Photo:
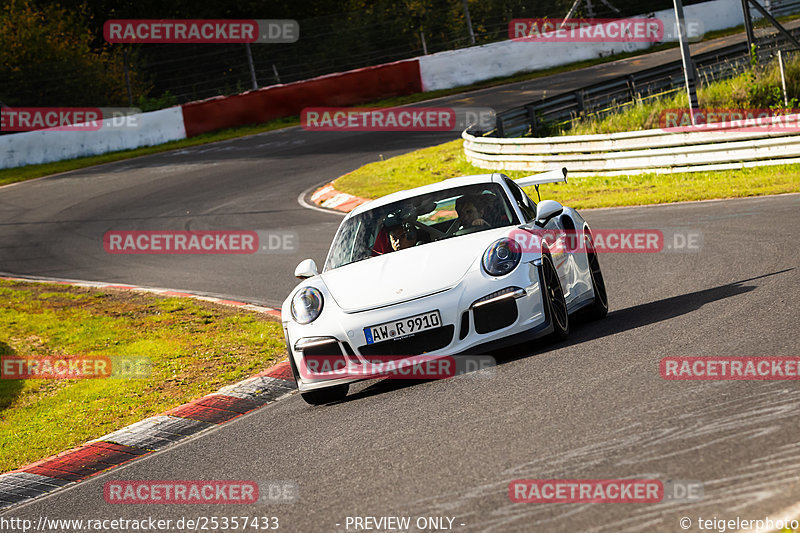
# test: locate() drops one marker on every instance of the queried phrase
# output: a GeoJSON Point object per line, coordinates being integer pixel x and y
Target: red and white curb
{"type": "Point", "coordinates": [329, 198]}
{"type": "Point", "coordinates": [145, 437]}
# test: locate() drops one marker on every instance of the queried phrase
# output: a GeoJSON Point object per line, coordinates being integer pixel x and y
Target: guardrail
{"type": "Point", "coordinates": [779, 8]}
{"type": "Point", "coordinates": [659, 151]}
{"type": "Point", "coordinates": [607, 97]}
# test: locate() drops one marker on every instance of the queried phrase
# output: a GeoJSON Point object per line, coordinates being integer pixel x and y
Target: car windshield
{"type": "Point", "coordinates": [420, 220]}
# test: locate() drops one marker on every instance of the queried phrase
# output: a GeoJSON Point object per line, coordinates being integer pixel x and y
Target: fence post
{"type": "Point", "coordinates": [469, 23]}
{"type": "Point", "coordinates": [632, 87]}
{"type": "Point", "coordinates": [589, 9]}
{"type": "Point", "coordinates": [783, 80]}
{"type": "Point", "coordinates": [534, 121]}
{"type": "Point", "coordinates": [689, 73]}
{"type": "Point", "coordinates": [501, 132]}
{"type": "Point", "coordinates": [127, 75]}
{"type": "Point", "coordinates": [251, 65]}
{"type": "Point", "coordinates": [748, 26]}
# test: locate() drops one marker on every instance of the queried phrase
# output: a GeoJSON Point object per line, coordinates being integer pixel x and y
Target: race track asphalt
{"type": "Point", "coordinates": [592, 407]}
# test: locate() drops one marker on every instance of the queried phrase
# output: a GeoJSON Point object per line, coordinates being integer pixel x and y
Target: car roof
{"type": "Point", "coordinates": [450, 183]}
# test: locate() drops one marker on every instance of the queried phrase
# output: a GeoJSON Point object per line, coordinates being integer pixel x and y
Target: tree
{"type": "Point", "coordinates": [47, 59]}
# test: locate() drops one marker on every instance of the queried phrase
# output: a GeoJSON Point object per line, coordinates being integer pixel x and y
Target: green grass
{"type": "Point", "coordinates": [194, 347]}
{"type": "Point", "coordinates": [13, 175]}
{"type": "Point", "coordinates": [756, 89]}
{"type": "Point", "coordinates": [436, 163]}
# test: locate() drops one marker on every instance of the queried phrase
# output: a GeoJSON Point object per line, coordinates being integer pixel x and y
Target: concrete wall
{"type": "Point", "coordinates": [46, 146]}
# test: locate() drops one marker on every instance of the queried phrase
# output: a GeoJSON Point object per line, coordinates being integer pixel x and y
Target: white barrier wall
{"type": "Point", "coordinates": [45, 146]}
{"type": "Point", "coordinates": [734, 144]}
{"type": "Point", "coordinates": [456, 68]}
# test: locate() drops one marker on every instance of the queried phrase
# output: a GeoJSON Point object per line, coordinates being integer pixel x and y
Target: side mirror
{"type": "Point", "coordinates": [547, 209]}
{"type": "Point", "coordinates": [306, 269]}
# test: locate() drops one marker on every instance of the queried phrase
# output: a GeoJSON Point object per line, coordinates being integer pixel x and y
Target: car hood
{"type": "Point", "coordinates": [407, 274]}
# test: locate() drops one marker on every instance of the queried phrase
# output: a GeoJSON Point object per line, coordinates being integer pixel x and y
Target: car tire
{"type": "Point", "coordinates": [553, 296]}
{"type": "Point", "coordinates": [599, 307]}
{"type": "Point", "coordinates": [327, 395]}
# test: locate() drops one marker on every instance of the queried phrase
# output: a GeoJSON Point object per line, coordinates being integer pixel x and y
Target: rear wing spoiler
{"type": "Point", "coordinates": [552, 176]}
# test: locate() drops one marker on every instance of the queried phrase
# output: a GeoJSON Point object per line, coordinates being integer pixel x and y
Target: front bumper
{"type": "Point", "coordinates": [475, 319]}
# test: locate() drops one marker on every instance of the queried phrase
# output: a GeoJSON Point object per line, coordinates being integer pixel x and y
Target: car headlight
{"type": "Point", "coordinates": [306, 305]}
{"type": "Point", "coordinates": [501, 257]}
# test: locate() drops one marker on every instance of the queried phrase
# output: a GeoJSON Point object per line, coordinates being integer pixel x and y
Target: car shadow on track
{"type": "Point", "coordinates": [584, 330]}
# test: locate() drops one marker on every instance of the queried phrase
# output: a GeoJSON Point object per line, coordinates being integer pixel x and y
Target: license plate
{"type": "Point", "coordinates": [403, 327]}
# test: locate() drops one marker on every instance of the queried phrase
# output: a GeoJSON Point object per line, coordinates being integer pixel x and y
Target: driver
{"type": "Point", "coordinates": [403, 236]}
{"type": "Point", "coordinates": [471, 209]}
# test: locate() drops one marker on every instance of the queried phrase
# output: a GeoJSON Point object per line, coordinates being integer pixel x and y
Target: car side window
{"type": "Point", "coordinates": [527, 206]}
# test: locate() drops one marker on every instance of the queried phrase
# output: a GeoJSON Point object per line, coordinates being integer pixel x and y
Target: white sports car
{"type": "Point", "coordinates": [441, 270]}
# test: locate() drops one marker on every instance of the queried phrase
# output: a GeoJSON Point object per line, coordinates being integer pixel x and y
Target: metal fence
{"type": "Point", "coordinates": [779, 8]}
{"type": "Point", "coordinates": [611, 96]}
{"type": "Point", "coordinates": [356, 39]}
{"type": "Point", "coordinates": [745, 143]}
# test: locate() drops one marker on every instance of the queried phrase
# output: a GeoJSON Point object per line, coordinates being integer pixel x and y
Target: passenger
{"type": "Point", "coordinates": [471, 209]}
{"type": "Point", "coordinates": [403, 236]}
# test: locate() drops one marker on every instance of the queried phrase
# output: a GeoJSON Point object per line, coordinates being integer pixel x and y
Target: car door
{"type": "Point", "coordinates": [560, 246]}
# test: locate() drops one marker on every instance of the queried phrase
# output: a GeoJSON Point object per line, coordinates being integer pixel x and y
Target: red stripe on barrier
{"type": "Point", "coordinates": [173, 293]}
{"type": "Point", "coordinates": [342, 89]}
{"type": "Point", "coordinates": [228, 403]}
{"type": "Point", "coordinates": [57, 474]}
{"type": "Point", "coordinates": [279, 371]}
{"type": "Point", "coordinates": [120, 448]}
{"type": "Point", "coordinates": [349, 205]}
{"type": "Point", "coordinates": [230, 302]}
{"type": "Point", "coordinates": [203, 413]}
{"type": "Point", "coordinates": [85, 461]}
{"type": "Point", "coordinates": [214, 409]}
